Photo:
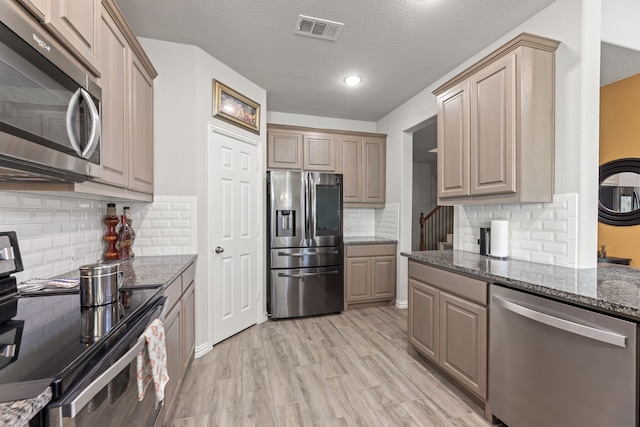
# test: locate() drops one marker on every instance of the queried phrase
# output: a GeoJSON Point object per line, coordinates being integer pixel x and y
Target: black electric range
{"type": "Point", "coordinates": [50, 340]}
{"type": "Point", "coordinates": [53, 340]}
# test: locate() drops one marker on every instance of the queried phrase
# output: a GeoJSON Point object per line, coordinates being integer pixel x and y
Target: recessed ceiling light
{"type": "Point", "coordinates": [352, 80]}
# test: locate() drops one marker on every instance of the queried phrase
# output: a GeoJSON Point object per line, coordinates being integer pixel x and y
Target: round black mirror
{"type": "Point", "coordinates": [619, 193]}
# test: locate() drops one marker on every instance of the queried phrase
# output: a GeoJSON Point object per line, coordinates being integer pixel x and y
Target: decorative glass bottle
{"type": "Point", "coordinates": [133, 237]}
{"type": "Point", "coordinates": [125, 237]}
{"type": "Point", "coordinates": [110, 236]}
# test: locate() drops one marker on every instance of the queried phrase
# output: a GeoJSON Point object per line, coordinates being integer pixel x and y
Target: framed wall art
{"type": "Point", "coordinates": [235, 108]}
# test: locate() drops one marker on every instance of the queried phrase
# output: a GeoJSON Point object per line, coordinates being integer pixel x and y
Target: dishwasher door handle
{"type": "Point", "coordinates": [565, 325]}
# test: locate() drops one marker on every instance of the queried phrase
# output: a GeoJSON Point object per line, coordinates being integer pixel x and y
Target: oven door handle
{"type": "Point", "coordinates": [72, 408]}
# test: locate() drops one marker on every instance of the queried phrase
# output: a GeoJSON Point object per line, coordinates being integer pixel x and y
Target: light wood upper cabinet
{"type": "Point", "coordinates": [360, 157]}
{"type": "Point", "coordinates": [374, 171]}
{"type": "Point", "coordinates": [496, 127]}
{"type": "Point", "coordinates": [453, 142]}
{"type": "Point", "coordinates": [284, 150]}
{"type": "Point", "coordinates": [350, 166]}
{"type": "Point", "coordinates": [362, 161]}
{"type": "Point", "coordinates": [319, 152]}
{"type": "Point", "coordinates": [493, 138]}
{"type": "Point", "coordinates": [115, 64]}
{"type": "Point", "coordinates": [39, 8]}
{"type": "Point", "coordinates": [141, 129]}
{"type": "Point", "coordinates": [75, 23]}
{"type": "Point", "coordinates": [127, 108]}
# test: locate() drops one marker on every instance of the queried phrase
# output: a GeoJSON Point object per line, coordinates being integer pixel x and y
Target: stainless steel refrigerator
{"type": "Point", "coordinates": [305, 256]}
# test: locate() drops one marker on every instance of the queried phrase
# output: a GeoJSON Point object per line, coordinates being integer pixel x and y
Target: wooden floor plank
{"type": "Point", "coordinates": [352, 369]}
{"type": "Point", "coordinates": [321, 402]}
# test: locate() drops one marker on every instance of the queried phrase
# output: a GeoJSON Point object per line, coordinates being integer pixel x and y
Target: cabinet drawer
{"type": "Point", "coordinates": [188, 276]}
{"type": "Point", "coordinates": [465, 287]}
{"type": "Point", "coordinates": [173, 292]}
{"type": "Point", "coordinates": [370, 250]}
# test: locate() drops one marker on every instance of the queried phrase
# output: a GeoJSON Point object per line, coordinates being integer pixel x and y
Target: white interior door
{"type": "Point", "coordinates": [235, 258]}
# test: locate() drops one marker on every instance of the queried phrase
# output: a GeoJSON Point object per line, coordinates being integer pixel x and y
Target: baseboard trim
{"type": "Point", "coordinates": [402, 304]}
{"type": "Point", "coordinates": [202, 349]}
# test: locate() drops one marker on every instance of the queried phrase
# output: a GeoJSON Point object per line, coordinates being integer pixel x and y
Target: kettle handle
{"type": "Point", "coordinates": [120, 279]}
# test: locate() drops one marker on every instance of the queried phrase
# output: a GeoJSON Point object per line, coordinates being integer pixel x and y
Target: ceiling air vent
{"type": "Point", "coordinates": [318, 28]}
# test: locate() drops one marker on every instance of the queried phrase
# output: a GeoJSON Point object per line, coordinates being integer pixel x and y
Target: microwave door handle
{"type": "Point", "coordinates": [73, 105]}
{"type": "Point", "coordinates": [94, 137]}
{"type": "Point", "coordinates": [74, 407]}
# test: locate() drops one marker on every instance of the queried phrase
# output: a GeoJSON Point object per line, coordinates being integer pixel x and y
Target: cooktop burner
{"type": "Point", "coordinates": [54, 337]}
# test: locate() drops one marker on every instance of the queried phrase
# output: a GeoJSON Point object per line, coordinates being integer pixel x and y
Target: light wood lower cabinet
{"type": "Point", "coordinates": [370, 274]}
{"type": "Point", "coordinates": [179, 326]}
{"type": "Point", "coordinates": [447, 323]}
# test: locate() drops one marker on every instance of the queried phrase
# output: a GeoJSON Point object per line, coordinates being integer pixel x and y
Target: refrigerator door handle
{"type": "Point", "coordinates": [305, 187]}
{"type": "Point", "coordinates": [301, 275]}
{"type": "Point", "coordinates": [304, 254]}
{"type": "Point", "coordinates": [312, 206]}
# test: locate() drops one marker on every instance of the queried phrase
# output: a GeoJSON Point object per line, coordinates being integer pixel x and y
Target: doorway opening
{"type": "Point", "coordinates": [431, 226]}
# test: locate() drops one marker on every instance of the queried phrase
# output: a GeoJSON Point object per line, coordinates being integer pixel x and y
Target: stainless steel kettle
{"type": "Point", "coordinates": [99, 283]}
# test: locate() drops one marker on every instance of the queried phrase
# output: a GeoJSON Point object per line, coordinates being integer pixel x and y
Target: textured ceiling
{"type": "Point", "coordinates": [399, 46]}
{"type": "Point", "coordinates": [617, 63]}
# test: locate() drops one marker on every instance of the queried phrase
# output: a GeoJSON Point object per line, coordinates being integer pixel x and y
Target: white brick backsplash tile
{"type": "Point", "coordinates": [31, 201]}
{"type": "Point", "coordinates": [53, 255]}
{"type": "Point", "coordinates": [555, 225]}
{"type": "Point", "coordinates": [42, 243]}
{"type": "Point", "coordinates": [54, 228]}
{"type": "Point", "coordinates": [559, 248]}
{"type": "Point", "coordinates": [537, 232]}
{"type": "Point", "coordinates": [17, 216]}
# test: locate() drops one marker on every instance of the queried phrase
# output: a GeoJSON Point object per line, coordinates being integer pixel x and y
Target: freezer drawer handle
{"type": "Point", "coordinates": [300, 255]}
{"type": "Point", "coordinates": [300, 275]}
{"type": "Point", "coordinates": [565, 325]}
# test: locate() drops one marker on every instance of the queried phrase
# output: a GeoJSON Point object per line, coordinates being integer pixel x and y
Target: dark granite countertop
{"type": "Point", "coordinates": [20, 412]}
{"type": "Point", "coordinates": [369, 240]}
{"type": "Point", "coordinates": [154, 271]}
{"type": "Point", "coordinates": [610, 288]}
{"type": "Point", "coordinates": [140, 272]}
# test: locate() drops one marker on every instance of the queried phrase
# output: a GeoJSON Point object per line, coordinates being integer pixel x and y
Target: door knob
{"type": "Point", "coordinates": [219, 250]}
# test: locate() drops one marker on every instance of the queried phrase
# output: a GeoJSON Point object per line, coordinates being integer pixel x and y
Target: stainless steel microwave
{"type": "Point", "coordinates": [49, 107]}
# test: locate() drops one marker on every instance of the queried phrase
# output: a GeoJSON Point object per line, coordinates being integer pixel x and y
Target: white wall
{"type": "Point", "coordinates": [576, 24]}
{"type": "Point", "coordinates": [274, 117]}
{"type": "Point", "coordinates": [185, 88]}
{"type": "Point", "coordinates": [620, 20]}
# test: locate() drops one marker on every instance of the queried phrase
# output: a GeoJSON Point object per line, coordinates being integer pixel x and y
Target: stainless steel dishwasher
{"type": "Point", "coordinates": [553, 364]}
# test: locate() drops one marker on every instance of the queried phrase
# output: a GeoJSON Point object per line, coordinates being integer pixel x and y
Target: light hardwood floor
{"type": "Point", "coordinates": [351, 369]}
